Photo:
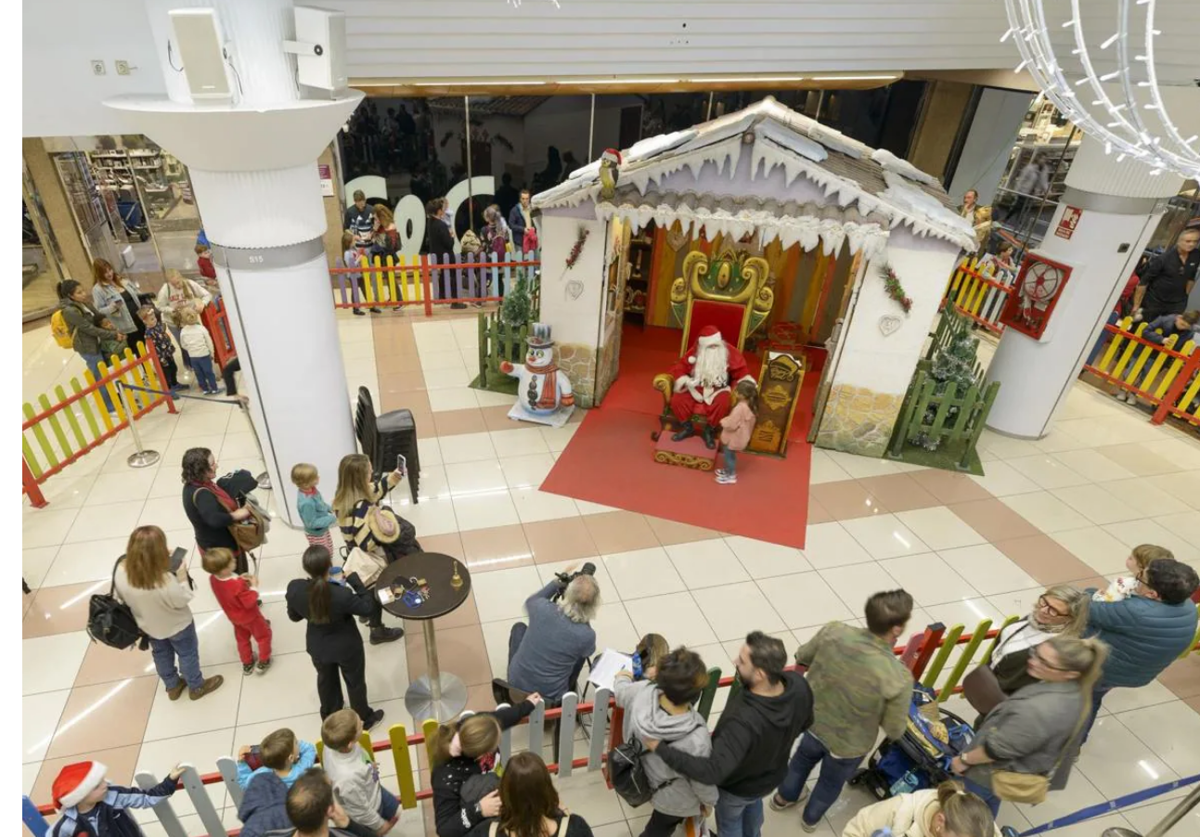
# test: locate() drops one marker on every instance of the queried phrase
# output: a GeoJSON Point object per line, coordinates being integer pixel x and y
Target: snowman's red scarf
{"type": "Point", "coordinates": [549, 391]}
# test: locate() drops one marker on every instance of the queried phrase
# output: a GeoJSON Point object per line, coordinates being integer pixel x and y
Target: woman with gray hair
{"type": "Point", "coordinates": [1060, 610]}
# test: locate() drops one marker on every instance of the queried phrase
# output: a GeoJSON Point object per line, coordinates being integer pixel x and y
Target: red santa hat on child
{"type": "Point", "coordinates": [75, 781]}
{"type": "Point", "coordinates": [710, 335]}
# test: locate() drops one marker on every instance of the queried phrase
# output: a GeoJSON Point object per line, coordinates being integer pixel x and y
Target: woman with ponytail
{"type": "Point", "coordinates": [332, 638]}
{"type": "Point", "coordinates": [463, 754]}
{"type": "Point", "coordinates": [1027, 743]}
{"type": "Point", "coordinates": [949, 810]}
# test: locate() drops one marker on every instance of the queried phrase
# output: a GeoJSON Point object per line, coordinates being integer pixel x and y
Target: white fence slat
{"type": "Point", "coordinates": [599, 739]}
{"type": "Point", "coordinates": [227, 767]}
{"type": "Point", "coordinates": [167, 817]}
{"type": "Point", "coordinates": [566, 733]}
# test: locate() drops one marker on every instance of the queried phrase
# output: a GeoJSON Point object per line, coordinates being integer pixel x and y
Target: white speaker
{"type": "Point", "coordinates": [199, 44]}
{"type": "Point", "coordinates": [320, 48]}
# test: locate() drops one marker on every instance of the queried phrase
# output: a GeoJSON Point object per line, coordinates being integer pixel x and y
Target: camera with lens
{"type": "Point", "coordinates": [565, 579]}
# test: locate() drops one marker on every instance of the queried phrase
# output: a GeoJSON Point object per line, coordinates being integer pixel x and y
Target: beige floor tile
{"type": "Point", "coordinates": [121, 728]}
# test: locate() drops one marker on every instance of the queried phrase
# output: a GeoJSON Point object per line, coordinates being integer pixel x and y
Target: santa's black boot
{"type": "Point", "coordinates": [685, 432]}
{"type": "Point", "coordinates": [710, 437]}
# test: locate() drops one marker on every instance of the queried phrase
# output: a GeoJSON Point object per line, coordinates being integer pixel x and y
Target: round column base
{"type": "Point", "coordinates": [419, 702]}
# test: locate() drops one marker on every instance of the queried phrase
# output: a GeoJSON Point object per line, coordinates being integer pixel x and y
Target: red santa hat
{"type": "Point", "coordinates": [75, 781]}
{"type": "Point", "coordinates": [710, 335]}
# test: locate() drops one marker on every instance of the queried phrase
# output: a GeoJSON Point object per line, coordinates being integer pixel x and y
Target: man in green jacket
{"type": "Point", "coordinates": [858, 686]}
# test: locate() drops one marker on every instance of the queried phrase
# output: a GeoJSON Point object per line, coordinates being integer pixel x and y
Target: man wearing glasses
{"type": "Point", "coordinates": [1147, 631]}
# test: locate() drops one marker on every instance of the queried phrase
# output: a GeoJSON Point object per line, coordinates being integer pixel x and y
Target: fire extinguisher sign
{"type": "Point", "coordinates": [1068, 222]}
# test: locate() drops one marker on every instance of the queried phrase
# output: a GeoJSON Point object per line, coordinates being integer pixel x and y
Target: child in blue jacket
{"type": "Point", "coordinates": [91, 806]}
{"type": "Point", "coordinates": [314, 511]}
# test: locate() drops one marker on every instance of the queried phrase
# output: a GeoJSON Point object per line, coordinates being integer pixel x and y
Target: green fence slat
{"type": "Point", "coordinates": [943, 654]}
{"type": "Point", "coordinates": [39, 435]}
{"type": "Point", "coordinates": [965, 406]}
{"type": "Point", "coordinates": [956, 673]}
{"type": "Point", "coordinates": [987, 655]}
{"type": "Point", "coordinates": [980, 421]}
{"type": "Point", "coordinates": [704, 705]}
{"type": "Point", "coordinates": [946, 401]}
{"type": "Point", "coordinates": [55, 426]}
{"type": "Point", "coordinates": [69, 414]}
{"type": "Point", "coordinates": [77, 388]}
{"type": "Point", "coordinates": [30, 459]}
{"type": "Point", "coordinates": [923, 399]}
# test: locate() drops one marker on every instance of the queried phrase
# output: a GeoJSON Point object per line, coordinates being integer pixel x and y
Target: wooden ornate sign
{"type": "Point", "coordinates": [778, 393]}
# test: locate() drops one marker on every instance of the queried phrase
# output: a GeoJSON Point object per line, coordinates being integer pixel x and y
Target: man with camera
{"type": "Point", "coordinates": [547, 655]}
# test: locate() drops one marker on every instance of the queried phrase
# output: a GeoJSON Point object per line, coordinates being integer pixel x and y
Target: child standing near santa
{"type": "Point", "coordinates": [736, 428]}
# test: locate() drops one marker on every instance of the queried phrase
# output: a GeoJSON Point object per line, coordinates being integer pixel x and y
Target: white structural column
{"type": "Point", "coordinates": [1121, 205]}
{"type": "Point", "coordinates": [253, 169]}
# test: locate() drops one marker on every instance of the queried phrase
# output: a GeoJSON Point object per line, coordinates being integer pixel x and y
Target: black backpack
{"type": "Point", "coordinates": [628, 775]}
{"type": "Point", "coordinates": [110, 621]}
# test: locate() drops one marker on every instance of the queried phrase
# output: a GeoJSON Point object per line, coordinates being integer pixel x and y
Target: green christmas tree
{"type": "Point", "coordinates": [517, 308]}
{"type": "Point", "coordinates": [955, 363]}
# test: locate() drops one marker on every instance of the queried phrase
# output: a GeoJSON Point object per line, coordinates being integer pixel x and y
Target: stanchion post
{"type": "Point", "coordinates": [140, 458]}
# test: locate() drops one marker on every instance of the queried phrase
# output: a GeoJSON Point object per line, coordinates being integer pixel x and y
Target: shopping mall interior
{"type": "Point", "coordinates": [966, 298]}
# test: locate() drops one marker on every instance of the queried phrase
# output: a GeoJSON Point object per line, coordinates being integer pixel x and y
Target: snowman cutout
{"type": "Point", "coordinates": [544, 393]}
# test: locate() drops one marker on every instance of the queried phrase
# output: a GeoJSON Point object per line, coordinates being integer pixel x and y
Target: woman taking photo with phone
{"type": "Point", "coordinates": [160, 601]}
{"type": "Point", "coordinates": [364, 521]}
{"type": "Point", "coordinates": [332, 639]}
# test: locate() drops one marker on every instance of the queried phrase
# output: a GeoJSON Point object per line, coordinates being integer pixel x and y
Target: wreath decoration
{"type": "Point", "coordinates": [895, 290]}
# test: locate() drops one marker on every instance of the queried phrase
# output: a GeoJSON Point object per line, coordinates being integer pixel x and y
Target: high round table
{"type": "Point", "coordinates": [438, 695]}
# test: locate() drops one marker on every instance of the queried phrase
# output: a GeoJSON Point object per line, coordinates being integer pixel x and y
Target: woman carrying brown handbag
{"type": "Point", "coordinates": [1026, 744]}
{"type": "Point", "coordinates": [1059, 611]}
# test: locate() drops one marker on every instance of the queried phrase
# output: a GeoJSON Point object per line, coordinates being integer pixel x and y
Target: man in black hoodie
{"type": "Point", "coordinates": [753, 738]}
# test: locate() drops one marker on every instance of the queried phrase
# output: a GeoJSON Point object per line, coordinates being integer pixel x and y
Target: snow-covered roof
{"type": "Point", "coordinates": [721, 176]}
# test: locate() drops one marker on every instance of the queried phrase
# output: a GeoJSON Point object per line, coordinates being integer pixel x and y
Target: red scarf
{"type": "Point", "coordinates": [220, 493]}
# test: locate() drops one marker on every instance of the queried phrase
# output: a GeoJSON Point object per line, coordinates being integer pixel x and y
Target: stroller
{"type": "Point", "coordinates": [921, 758]}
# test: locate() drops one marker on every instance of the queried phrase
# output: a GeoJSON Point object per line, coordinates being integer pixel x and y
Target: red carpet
{"type": "Point", "coordinates": [610, 458]}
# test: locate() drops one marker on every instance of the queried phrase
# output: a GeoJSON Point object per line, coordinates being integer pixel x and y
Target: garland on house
{"type": "Point", "coordinates": [577, 249]}
{"type": "Point", "coordinates": [895, 290]}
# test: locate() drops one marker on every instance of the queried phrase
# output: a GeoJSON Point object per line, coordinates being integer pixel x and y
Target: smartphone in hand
{"type": "Point", "coordinates": [401, 463]}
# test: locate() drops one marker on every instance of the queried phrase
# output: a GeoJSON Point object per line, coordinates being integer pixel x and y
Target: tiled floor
{"type": "Point", "coordinates": [1063, 509]}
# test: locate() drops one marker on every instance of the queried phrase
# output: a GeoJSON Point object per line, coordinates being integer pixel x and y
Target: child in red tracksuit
{"type": "Point", "coordinates": [235, 594]}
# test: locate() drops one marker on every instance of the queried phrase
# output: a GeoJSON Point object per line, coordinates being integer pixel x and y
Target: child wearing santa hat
{"type": "Point", "coordinates": [91, 806]}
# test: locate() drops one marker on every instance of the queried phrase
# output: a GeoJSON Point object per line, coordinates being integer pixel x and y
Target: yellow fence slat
{"type": "Point", "coordinates": [398, 735]}
{"type": "Point", "coordinates": [77, 388]}
{"type": "Point", "coordinates": [373, 278]}
{"type": "Point", "coordinates": [1113, 345]}
{"type": "Point", "coordinates": [101, 410]}
{"type": "Point", "coordinates": [429, 730]}
{"type": "Point", "coordinates": [392, 279]}
{"type": "Point", "coordinates": [960, 668]}
{"type": "Point", "coordinates": [111, 389]}
{"type": "Point", "coordinates": [30, 459]}
{"type": "Point", "coordinates": [943, 654]}
{"type": "Point", "coordinates": [1128, 353]}
{"type": "Point", "coordinates": [55, 426]}
{"type": "Point", "coordinates": [69, 414]}
{"type": "Point", "coordinates": [39, 435]}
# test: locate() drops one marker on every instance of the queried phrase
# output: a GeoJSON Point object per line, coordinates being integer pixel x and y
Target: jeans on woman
{"type": "Point", "coordinates": [730, 459]}
{"type": "Point", "coordinates": [187, 359]}
{"type": "Point", "coordinates": [93, 363]}
{"type": "Point", "coordinates": [834, 774]}
{"type": "Point", "coordinates": [738, 816]}
{"type": "Point", "coordinates": [186, 646]}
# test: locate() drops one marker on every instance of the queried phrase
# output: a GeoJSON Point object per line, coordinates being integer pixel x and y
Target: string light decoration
{"type": "Point", "coordinates": [1120, 125]}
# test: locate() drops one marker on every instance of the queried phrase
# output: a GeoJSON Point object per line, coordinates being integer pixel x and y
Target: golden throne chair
{"type": "Point", "coordinates": [731, 292]}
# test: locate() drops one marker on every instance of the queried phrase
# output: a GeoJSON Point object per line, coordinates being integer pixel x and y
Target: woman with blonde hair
{"type": "Point", "coordinates": [385, 238]}
{"type": "Point", "coordinates": [364, 522]}
{"type": "Point", "coordinates": [1025, 746]}
{"type": "Point", "coordinates": [116, 297]}
{"type": "Point", "coordinates": [945, 811]}
{"type": "Point", "coordinates": [1060, 610]}
{"type": "Point", "coordinates": [160, 601]}
{"type": "Point", "coordinates": [463, 754]}
{"type": "Point", "coordinates": [176, 295]}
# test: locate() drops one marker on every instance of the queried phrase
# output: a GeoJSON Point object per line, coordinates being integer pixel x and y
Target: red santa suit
{"type": "Point", "coordinates": [695, 396]}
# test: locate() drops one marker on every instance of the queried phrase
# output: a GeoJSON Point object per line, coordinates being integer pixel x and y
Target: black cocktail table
{"type": "Point", "coordinates": [438, 695]}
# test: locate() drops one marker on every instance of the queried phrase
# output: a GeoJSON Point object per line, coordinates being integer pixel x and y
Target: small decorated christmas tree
{"type": "Point", "coordinates": [955, 363]}
{"type": "Point", "coordinates": [517, 308]}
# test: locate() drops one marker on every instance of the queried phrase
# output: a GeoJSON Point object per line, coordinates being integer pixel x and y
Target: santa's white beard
{"type": "Point", "coordinates": [712, 366]}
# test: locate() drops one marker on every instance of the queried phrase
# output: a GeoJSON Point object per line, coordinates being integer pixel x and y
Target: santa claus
{"type": "Point", "coordinates": [703, 380]}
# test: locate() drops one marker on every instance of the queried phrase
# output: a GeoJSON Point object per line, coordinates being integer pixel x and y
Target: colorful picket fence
{"type": "Point", "coordinates": [396, 281]}
{"type": "Point", "coordinates": [498, 343]}
{"type": "Point", "coordinates": [979, 291]}
{"type": "Point", "coordinates": [57, 433]}
{"type": "Point", "coordinates": [1167, 375]}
